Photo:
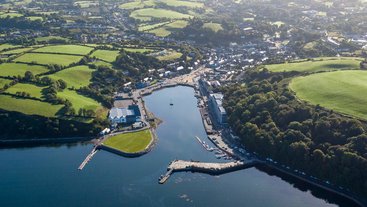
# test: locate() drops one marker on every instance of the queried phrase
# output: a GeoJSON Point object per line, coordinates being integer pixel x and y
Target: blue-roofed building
{"type": "Point", "coordinates": [215, 105]}
{"type": "Point", "coordinates": [128, 115]}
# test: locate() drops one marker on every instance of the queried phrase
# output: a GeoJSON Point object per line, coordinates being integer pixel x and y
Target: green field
{"type": "Point", "coordinates": [65, 49]}
{"type": "Point", "coordinates": [77, 77]}
{"type": "Point", "coordinates": [15, 69]}
{"type": "Point", "coordinates": [28, 106]}
{"type": "Point", "coordinates": [48, 38]}
{"type": "Point", "coordinates": [147, 13]}
{"type": "Point", "coordinates": [10, 15]}
{"type": "Point", "coordinates": [7, 46]}
{"type": "Point", "coordinates": [147, 27]}
{"type": "Point", "coordinates": [138, 50]}
{"type": "Point", "coordinates": [171, 55]}
{"type": "Point", "coordinates": [101, 63]}
{"type": "Point", "coordinates": [177, 3]}
{"type": "Point", "coordinates": [33, 90]}
{"type": "Point", "coordinates": [78, 101]}
{"type": "Point", "coordinates": [16, 51]}
{"type": "Point", "coordinates": [130, 142]}
{"type": "Point", "coordinates": [215, 27]}
{"type": "Point", "coordinates": [3, 82]}
{"type": "Point", "coordinates": [35, 18]}
{"type": "Point", "coordinates": [327, 64]}
{"type": "Point", "coordinates": [47, 59]}
{"type": "Point", "coordinates": [106, 55]}
{"type": "Point", "coordinates": [342, 91]}
{"type": "Point", "coordinates": [167, 29]}
{"type": "Point", "coordinates": [137, 4]}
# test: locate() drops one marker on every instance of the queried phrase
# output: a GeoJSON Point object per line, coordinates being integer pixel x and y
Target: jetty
{"type": "Point", "coordinates": [88, 158]}
{"type": "Point", "coordinates": [204, 167]}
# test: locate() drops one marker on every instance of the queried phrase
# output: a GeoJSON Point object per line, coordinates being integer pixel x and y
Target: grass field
{"type": "Point", "coordinates": [137, 4]}
{"type": "Point", "coordinates": [76, 77]}
{"type": "Point", "coordinates": [101, 63]}
{"type": "Point", "coordinates": [33, 90]}
{"type": "Point", "coordinates": [138, 50]}
{"type": "Point", "coordinates": [146, 27]}
{"type": "Point", "coordinates": [16, 51]}
{"type": "Point", "coordinates": [28, 106]}
{"type": "Point", "coordinates": [35, 18]}
{"type": "Point", "coordinates": [106, 55]}
{"type": "Point", "coordinates": [215, 27]}
{"type": "Point", "coordinates": [65, 49]}
{"type": "Point", "coordinates": [171, 55]}
{"type": "Point", "coordinates": [47, 59]}
{"type": "Point", "coordinates": [7, 46]}
{"type": "Point", "coordinates": [327, 64]}
{"type": "Point", "coordinates": [147, 13]}
{"type": "Point", "coordinates": [178, 3]}
{"type": "Point", "coordinates": [48, 38]}
{"type": "Point", "coordinates": [130, 142]}
{"type": "Point", "coordinates": [10, 15]}
{"type": "Point", "coordinates": [167, 29]}
{"type": "Point", "coordinates": [342, 91]}
{"type": "Point", "coordinates": [79, 101]}
{"type": "Point", "coordinates": [15, 69]}
{"type": "Point", "coordinates": [3, 82]}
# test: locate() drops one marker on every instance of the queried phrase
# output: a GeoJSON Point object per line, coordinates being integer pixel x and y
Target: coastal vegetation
{"type": "Point", "coordinates": [272, 121]}
{"type": "Point", "coordinates": [132, 142]}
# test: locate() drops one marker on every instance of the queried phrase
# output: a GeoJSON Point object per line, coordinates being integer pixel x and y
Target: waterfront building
{"type": "Point", "coordinates": [215, 105]}
{"type": "Point", "coordinates": [127, 115]}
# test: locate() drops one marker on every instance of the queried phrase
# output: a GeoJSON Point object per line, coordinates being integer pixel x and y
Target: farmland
{"type": "Point", "coordinates": [15, 69]}
{"type": "Point", "coordinates": [139, 50]}
{"type": "Point", "coordinates": [7, 46]}
{"type": "Point", "coordinates": [3, 82]}
{"type": "Point", "coordinates": [78, 101]}
{"type": "Point", "coordinates": [76, 77]}
{"type": "Point", "coordinates": [147, 13]}
{"type": "Point", "coordinates": [47, 59]}
{"type": "Point", "coordinates": [215, 27]}
{"type": "Point", "coordinates": [48, 38]}
{"type": "Point", "coordinates": [170, 55]}
{"type": "Point", "coordinates": [167, 29]}
{"type": "Point", "coordinates": [16, 51]}
{"type": "Point", "coordinates": [28, 106]}
{"type": "Point", "coordinates": [106, 55]}
{"type": "Point", "coordinates": [33, 90]}
{"type": "Point", "coordinates": [65, 49]}
{"type": "Point", "coordinates": [130, 142]}
{"type": "Point", "coordinates": [341, 91]}
{"type": "Point", "coordinates": [317, 65]}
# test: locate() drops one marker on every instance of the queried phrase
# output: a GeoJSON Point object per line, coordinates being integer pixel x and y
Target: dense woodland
{"type": "Point", "coordinates": [272, 122]}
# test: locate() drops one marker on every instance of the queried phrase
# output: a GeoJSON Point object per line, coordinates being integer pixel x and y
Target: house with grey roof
{"type": "Point", "coordinates": [127, 115]}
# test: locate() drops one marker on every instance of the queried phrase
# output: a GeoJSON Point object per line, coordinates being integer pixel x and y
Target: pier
{"type": "Point", "coordinates": [204, 167]}
{"type": "Point", "coordinates": [88, 158]}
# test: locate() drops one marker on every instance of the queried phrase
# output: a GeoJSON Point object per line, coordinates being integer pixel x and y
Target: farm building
{"type": "Point", "coordinates": [128, 115]}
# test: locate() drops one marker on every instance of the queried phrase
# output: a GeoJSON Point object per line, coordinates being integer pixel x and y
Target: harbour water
{"type": "Point", "coordinates": [48, 175]}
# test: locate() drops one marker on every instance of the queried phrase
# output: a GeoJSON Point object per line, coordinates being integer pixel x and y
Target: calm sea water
{"type": "Point", "coordinates": [48, 175]}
